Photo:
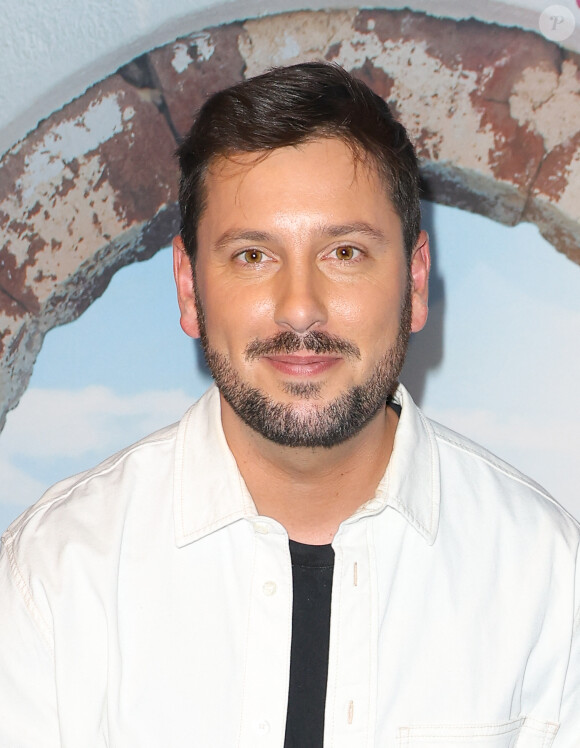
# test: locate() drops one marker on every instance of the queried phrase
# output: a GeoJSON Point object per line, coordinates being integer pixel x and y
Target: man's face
{"type": "Point", "coordinates": [303, 297]}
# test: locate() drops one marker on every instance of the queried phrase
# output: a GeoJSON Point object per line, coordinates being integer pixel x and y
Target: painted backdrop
{"type": "Point", "coordinates": [498, 361]}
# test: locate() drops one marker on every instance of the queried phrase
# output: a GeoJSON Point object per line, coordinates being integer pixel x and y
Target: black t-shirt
{"type": "Point", "coordinates": [312, 568]}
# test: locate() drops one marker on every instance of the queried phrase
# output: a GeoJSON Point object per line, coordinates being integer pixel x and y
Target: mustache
{"type": "Point", "coordinates": [290, 342]}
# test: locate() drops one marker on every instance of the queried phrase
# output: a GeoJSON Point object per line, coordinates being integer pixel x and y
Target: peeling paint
{"type": "Point", "coordinates": [569, 202]}
{"type": "Point", "coordinates": [181, 59]}
{"type": "Point", "coordinates": [442, 120]}
{"type": "Point", "coordinates": [202, 46]}
{"type": "Point", "coordinates": [68, 140]}
{"type": "Point", "coordinates": [292, 37]}
{"type": "Point", "coordinates": [558, 181]}
{"type": "Point", "coordinates": [549, 103]}
{"type": "Point", "coordinates": [69, 195]}
{"type": "Point", "coordinates": [185, 92]}
{"type": "Point", "coordinates": [289, 49]}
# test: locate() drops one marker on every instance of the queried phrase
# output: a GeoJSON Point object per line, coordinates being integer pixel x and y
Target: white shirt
{"type": "Point", "coordinates": [145, 604]}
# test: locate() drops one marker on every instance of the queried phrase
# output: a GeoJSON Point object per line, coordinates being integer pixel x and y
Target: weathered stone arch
{"type": "Point", "coordinates": [495, 114]}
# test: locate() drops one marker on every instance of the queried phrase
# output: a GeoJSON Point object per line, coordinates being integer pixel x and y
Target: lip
{"type": "Point", "coordinates": [303, 365]}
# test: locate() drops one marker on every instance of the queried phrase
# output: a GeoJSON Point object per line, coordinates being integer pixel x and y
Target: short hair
{"type": "Point", "coordinates": [288, 106]}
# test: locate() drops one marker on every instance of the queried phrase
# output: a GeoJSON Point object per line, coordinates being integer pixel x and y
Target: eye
{"type": "Point", "coordinates": [346, 252]}
{"type": "Point", "coordinates": [252, 256]}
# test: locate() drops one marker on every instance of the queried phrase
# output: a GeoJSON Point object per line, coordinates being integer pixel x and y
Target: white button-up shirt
{"type": "Point", "coordinates": [146, 604]}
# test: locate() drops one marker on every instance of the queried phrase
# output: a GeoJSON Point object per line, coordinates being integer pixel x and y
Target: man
{"type": "Point", "coordinates": [304, 559]}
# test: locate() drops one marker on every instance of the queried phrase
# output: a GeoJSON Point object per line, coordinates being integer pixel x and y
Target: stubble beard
{"type": "Point", "coordinates": [320, 425]}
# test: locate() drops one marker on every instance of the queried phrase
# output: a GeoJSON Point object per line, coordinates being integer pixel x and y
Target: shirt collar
{"type": "Point", "coordinates": [411, 483]}
{"type": "Point", "coordinates": [209, 491]}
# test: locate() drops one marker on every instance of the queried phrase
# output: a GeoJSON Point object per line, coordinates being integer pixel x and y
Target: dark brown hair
{"type": "Point", "coordinates": [287, 106]}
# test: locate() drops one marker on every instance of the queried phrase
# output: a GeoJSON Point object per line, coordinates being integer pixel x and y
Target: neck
{"type": "Point", "coordinates": [310, 491]}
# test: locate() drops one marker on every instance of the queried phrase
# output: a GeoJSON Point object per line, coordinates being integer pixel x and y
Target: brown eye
{"type": "Point", "coordinates": [346, 253]}
{"type": "Point", "coordinates": [253, 256]}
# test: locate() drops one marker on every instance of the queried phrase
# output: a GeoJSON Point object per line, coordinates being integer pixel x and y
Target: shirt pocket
{"type": "Point", "coordinates": [517, 733]}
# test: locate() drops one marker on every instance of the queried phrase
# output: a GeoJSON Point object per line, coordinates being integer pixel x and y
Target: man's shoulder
{"type": "Point", "coordinates": [494, 485]}
{"type": "Point", "coordinates": [473, 453]}
{"type": "Point", "coordinates": [89, 525]}
{"type": "Point", "coordinates": [134, 488]}
{"type": "Point", "coordinates": [82, 525]}
{"type": "Point", "coordinates": [100, 493]}
{"type": "Point", "coordinates": [141, 473]}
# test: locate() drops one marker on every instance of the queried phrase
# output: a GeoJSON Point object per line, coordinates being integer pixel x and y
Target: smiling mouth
{"type": "Point", "coordinates": [302, 364]}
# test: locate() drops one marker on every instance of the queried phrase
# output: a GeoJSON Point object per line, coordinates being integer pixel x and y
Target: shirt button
{"type": "Point", "coordinates": [262, 527]}
{"type": "Point", "coordinates": [269, 588]}
{"type": "Point", "coordinates": [263, 727]}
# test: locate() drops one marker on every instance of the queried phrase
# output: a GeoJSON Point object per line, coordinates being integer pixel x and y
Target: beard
{"type": "Point", "coordinates": [318, 425]}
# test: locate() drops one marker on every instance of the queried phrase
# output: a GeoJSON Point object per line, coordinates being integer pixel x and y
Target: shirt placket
{"type": "Point", "coordinates": [351, 694]}
{"type": "Point", "coordinates": [269, 631]}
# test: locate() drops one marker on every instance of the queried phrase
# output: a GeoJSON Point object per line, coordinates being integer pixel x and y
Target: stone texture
{"type": "Point", "coordinates": [196, 66]}
{"type": "Point", "coordinates": [495, 114]}
{"type": "Point", "coordinates": [88, 192]}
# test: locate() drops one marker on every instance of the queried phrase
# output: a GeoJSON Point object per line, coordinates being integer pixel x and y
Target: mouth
{"type": "Point", "coordinates": [302, 365]}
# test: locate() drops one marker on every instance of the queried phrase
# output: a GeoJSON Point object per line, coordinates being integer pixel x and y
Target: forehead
{"type": "Point", "coordinates": [228, 164]}
{"type": "Point", "coordinates": [313, 174]}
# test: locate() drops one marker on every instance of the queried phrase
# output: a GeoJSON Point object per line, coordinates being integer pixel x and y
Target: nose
{"type": "Point", "coordinates": [300, 304]}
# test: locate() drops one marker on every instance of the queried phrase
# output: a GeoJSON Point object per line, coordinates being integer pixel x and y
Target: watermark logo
{"type": "Point", "coordinates": [557, 22]}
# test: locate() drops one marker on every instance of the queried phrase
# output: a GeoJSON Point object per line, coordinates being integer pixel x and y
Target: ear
{"type": "Point", "coordinates": [420, 267]}
{"type": "Point", "coordinates": [183, 273]}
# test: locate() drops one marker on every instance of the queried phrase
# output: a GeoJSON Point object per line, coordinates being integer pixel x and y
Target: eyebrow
{"type": "Point", "coordinates": [358, 227]}
{"type": "Point", "coordinates": [332, 230]}
{"type": "Point", "coordinates": [233, 235]}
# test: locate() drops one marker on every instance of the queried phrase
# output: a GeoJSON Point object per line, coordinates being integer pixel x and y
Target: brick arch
{"type": "Point", "coordinates": [495, 114]}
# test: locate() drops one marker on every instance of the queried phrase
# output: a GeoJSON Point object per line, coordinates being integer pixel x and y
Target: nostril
{"type": "Point", "coordinates": [300, 311]}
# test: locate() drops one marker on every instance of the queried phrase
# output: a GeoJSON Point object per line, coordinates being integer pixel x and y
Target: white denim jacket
{"type": "Point", "coordinates": [145, 604]}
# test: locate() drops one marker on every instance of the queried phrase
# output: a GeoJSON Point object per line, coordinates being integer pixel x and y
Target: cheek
{"type": "Point", "coordinates": [236, 315]}
{"type": "Point", "coordinates": [373, 312]}
{"type": "Point", "coordinates": [346, 310]}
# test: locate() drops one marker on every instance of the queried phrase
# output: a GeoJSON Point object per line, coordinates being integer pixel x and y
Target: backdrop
{"type": "Point", "coordinates": [499, 358]}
